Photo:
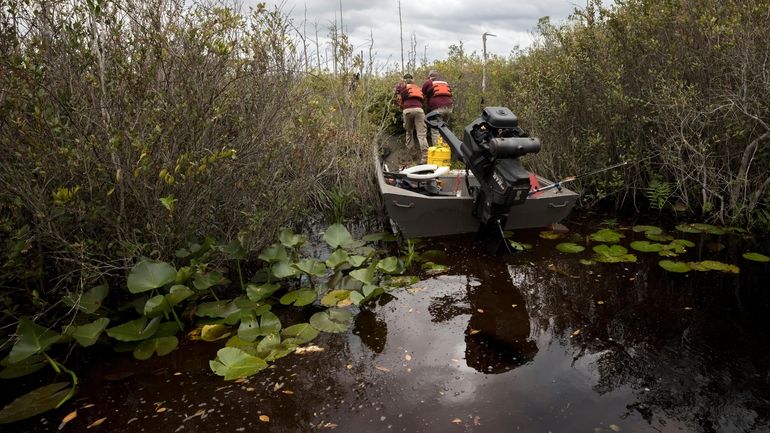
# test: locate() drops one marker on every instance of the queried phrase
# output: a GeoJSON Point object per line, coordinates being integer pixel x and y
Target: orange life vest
{"type": "Point", "coordinates": [441, 88]}
{"type": "Point", "coordinates": [414, 91]}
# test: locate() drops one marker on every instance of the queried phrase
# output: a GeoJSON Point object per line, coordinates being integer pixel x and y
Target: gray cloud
{"type": "Point", "coordinates": [435, 24]}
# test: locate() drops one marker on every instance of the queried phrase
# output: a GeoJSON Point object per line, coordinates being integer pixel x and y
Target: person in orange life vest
{"type": "Point", "coordinates": [439, 98]}
{"type": "Point", "coordinates": [410, 99]}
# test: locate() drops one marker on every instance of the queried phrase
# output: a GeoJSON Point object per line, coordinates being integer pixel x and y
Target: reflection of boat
{"type": "Point", "coordinates": [494, 193]}
{"type": "Point", "coordinates": [432, 207]}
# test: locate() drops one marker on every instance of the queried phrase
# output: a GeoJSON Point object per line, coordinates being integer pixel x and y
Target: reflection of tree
{"type": "Point", "coordinates": [497, 336]}
{"type": "Point", "coordinates": [691, 347]}
{"type": "Point", "coordinates": [373, 332]}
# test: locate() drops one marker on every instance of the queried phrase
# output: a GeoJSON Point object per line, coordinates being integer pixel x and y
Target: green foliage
{"type": "Point", "coordinates": [658, 193]}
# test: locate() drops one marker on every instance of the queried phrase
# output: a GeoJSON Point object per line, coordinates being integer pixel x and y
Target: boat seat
{"type": "Point", "coordinates": [425, 171]}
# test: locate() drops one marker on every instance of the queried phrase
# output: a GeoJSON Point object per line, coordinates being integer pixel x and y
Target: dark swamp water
{"type": "Point", "coordinates": [530, 342]}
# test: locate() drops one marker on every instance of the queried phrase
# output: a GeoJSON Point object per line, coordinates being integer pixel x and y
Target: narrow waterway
{"type": "Point", "coordinates": [530, 342]}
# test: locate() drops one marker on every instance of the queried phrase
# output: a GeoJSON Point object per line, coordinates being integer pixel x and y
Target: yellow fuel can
{"type": "Point", "coordinates": [439, 155]}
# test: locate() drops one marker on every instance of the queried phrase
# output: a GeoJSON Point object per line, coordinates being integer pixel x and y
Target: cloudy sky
{"type": "Point", "coordinates": [435, 24]}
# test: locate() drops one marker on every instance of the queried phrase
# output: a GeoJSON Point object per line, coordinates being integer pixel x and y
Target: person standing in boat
{"type": "Point", "coordinates": [410, 98]}
{"type": "Point", "coordinates": [439, 98]}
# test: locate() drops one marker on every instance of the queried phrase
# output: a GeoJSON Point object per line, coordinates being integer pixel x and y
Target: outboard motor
{"type": "Point", "coordinates": [491, 147]}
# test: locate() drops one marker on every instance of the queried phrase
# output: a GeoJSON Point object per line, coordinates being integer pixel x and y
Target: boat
{"type": "Point", "coordinates": [428, 201]}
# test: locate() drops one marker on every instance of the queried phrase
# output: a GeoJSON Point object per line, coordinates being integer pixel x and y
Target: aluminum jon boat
{"type": "Point", "coordinates": [492, 194]}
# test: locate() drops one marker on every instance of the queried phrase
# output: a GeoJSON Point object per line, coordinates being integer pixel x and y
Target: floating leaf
{"type": "Point", "coordinates": [366, 276]}
{"type": "Point", "coordinates": [683, 242]}
{"type": "Point", "coordinates": [757, 257]}
{"type": "Point", "coordinates": [607, 235]}
{"type": "Point", "coordinates": [662, 237]}
{"type": "Point", "coordinates": [708, 228]}
{"type": "Point", "coordinates": [332, 320]}
{"type": "Point", "coordinates": [434, 268]}
{"type": "Point", "coordinates": [688, 228]}
{"type": "Point", "coordinates": [671, 266]}
{"type": "Point", "coordinates": [274, 253]}
{"type": "Point", "coordinates": [156, 306]}
{"type": "Point", "coordinates": [177, 294]}
{"type": "Point", "coordinates": [258, 292]}
{"type": "Point", "coordinates": [33, 340]}
{"type": "Point", "coordinates": [719, 266]}
{"type": "Point", "coordinates": [520, 246]}
{"type": "Point", "coordinates": [234, 250]}
{"type": "Point", "coordinates": [160, 345]}
{"type": "Point", "coordinates": [90, 301]}
{"type": "Point", "coordinates": [569, 247]}
{"type": "Point", "coordinates": [271, 347]}
{"type": "Point", "coordinates": [390, 265]}
{"type": "Point", "coordinates": [335, 296]}
{"type": "Point", "coordinates": [698, 266]}
{"type": "Point", "coordinates": [291, 240]}
{"type": "Point", "coordinates": [647, 229]}
{"type": "Point", "coordinates": [311, 267]}
{"type": "Point", "coordinates": [183, 275]}
{"type": "Point", "coordinates": [382, 236]}
{"type": "Point", "coordinates": [646, 247]}
{"type": "Point", "coordinates": [88, 334]}
{"type": "Point", "coordinates": [300, 333]}
{"type": "Point", "coordinates": [284, 269]}
{"type": "Point", "coordinates": [587, 262]}
{"type": "Point", "coordinates": [217, 309]}
{"type": "Point", "coordinates": [299, 298]}
{"type": "Point", "coordinates": [610, 250]}
{"type": "Point", "coordinates": [253, 326]}
{"type": "Point", "coordinates": [234, 363]}
{"type": "Point", "coordinates": [206, 280]}
{"type": "Point", "coordinates": [215, 332]}
{"type": "Point", "coordinates": [357, 260]}
{"type": "Point", "coordinates": [22, 368]}
{"type": "Point", "coordinates": [135, 330]}
{"type": "Point", "coordinates": [401, 281]}
{"type": "Point", "coordinates": [35, 402]}
{"type": "Point", "coordinates": [147, 275]}
{"type": "Point", "coordinates": [338, 258]}
{"type": "Point", "coordinates": [337, 235]}
{"type": "Point", "coordinates": [550, 235]}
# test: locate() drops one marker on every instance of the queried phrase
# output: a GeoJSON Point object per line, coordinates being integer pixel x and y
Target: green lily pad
{"type": "Point", "coordinates": [688, 228]}
{"type": "Point", "coordinates": [23, 368]}
{"type": "Point", "coordinates": [249, 347]}
{"type": "Point", "coordinates": [366, 276]}
{"type": "Point", "coordinates": [434, 268]}
{"type": "Point", "coordinates": [569, 247]}
{"type": "Point", "coordinates": [683, 242]}
{"type": "Point", "coordinates": [338, 258]}
{"type": "Point", "coordinates": [647, 229]}
{"type": "Point", "coordinates": [332, 320]}
{"type": "Point", "coordinates": [291, 240]}
{"type": "Point", "coordinates": [214, 332]}
{"type": "Point", "coordinates": [299, 298]}
{"type": "Point", "coordinates": [708, 228]}
{"type": "Point", "coordinates": [550, 235]}
{"type": "Point", "coordinates": [607, 235]}
{"type": "Point", "coordinates": [177, 294]}
{"type": "Point", "coordinates": [89, 333]}
{"type": "Point", "coordinates": [274, 253]}
{"type": "Point", "coordinates": [234, 250]}
{"type": "Point", "coordinates": [253, 326]}
{"type": "Point", "coordinates": [183, 275]}
{"type": "Point", "coordinates": [135, 330]}
{"type": "Point", "coordinates": [332, 298]}
{"type": "Point", "coordinates": [284, 269]}
{"type": "Point", "coordinates": [671, 266]}
{"type": "Point", "coordinates": [756, 257]}
{"type": "Point", "coordinates": [698, 266]}
{"type": "Point", "coordinates": [258, 292]}
{"type": "Point", "coordinates": [311, 267]}
{"type": "Point", "coordinates": [520, 246]}
{"type": "Point", "coordinates": [216, 309]}
{"type": "Point", "coordinates": [610, 250]}
{"type": "Point", "coordinates": [376, 237]}
{"type": "Point", "coordinates": [401, 281]}
{"type": "Point", "coordinates": [667, 253]}
{"type": "Point", "coordinates": [357, 260]}
{"type": "Point", "coordinates": [646, 247]}
{"type": "Point", "coordinates": [234, 363]}
{"type": "Point", "coordinates": [368, 293]}
{"type": "Point", "coordinates": [160, 345]}
{"type": "Point", "coordinates": [587, 262]}
{"type": "Point", "coordinates": [661, 237]}
{"type": "Point", "coordinates": [300, 333]}
{"type": "Point", "coordinates": [88, 302]}
{"type": "Point", "coordinates": [156, 306]}
{"type": "Point", "coordinates": [36, 402]}
{"type": "Point", "coordinates": [147, 275]}
{"type": "Point", "coordinates": [432, 255]}
{"type": "Point", "coordinates": [391, 265]}
{"type": "Point", "coordinates": [33, 340]}
{"type": "Point", "coordinates": [203, 281]}
{"type": "Point", "coordinates": [625, 258]}
{"type": "Point", "coordinates": [719, 266]}
{"type": "Point", "coordinates": [337, 235]}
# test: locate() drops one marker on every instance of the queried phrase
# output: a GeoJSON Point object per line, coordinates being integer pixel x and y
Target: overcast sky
{"type": "Point", "coordinates": [435, 24]}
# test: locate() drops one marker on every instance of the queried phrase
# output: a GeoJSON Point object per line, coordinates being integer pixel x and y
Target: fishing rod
{"type": "Point", "coordinates": [572, 178]}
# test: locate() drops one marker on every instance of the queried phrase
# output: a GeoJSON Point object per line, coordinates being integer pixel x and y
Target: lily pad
{"type": "Point", "coordinates": [683, 242]}
{"type": "Point", "coordinates": [299, 298]}
{"type": "Point", "coordinates": [368, 293]}
{"type": "Point", "coordinates": [291, 240]}
{"type": "Point", "coordinates": [756, 257]}
{"type": "Point", "coordinates": [203, 281]}
{"type": "Point", "coordinates": [23, 368]}
{"type": "Point", "coordinates": [217, 309]}
{"type": "Point", "coordinates": [550, 235]}
{"type": "Point", "coordinates": [160, 345]}
{"type": "Point", "coordinates": [300, 333]}
{"type": "Point", "coordinates": [35, 402]}
{"type": "Point", "coordinates": [401, 281]}
{"type": "Point", "coordinates": [33, 340]}
{"type": "Point", "coordinates": [88, 302]}
{"type": "Point", "coordinates": [234, 363]}
{"type": "Point", "coordinates": [311, 267]}
{"type": "Point", "coordinates": [274, 253]}
{"type": "Point", "coordinates": [357, 260]}
{"type": "Point", "coordinates": [332, 298]}
{"type": "Point", "coordinates": [520, 246]}
{"type": "Point", "coordinates": [570, 247]}
{"type": "Point", "coordinates": [271, 347]}
{"type": "Point", "coordinates": [215, 332]}
{"type": "Point", "coordinates": [646, 247]}
{"type": "Point", "coordinates": [587, 262]}
{"type": "Point", "coordinates": [332, 320]}
{"type": "Point", "coordinates": [337, 235]}
{"type": "Point", "coordinates": [338, 258]}
{"type": "Point", "coordinates": [688, 228]}
{"type": "Point", "coordinates": [390, 265]}
{"type": "Point", "coordinates": [147, 275]}
{"type": "Point", "coordinates": [647, 229]}
{"type": "Point", "coordinates": [156, 306]}
{"type": "Point", "coordinates": [135, 330]}
{"type": "Point", "coordinates": [434, 268]}
{"type": "Point", "coordinates": [672, 266]}
{"type": "Point", "coordinates": [608, 236]}
{"type": "Point", "coordinates": [258, 292]}
{"type": "Point", "coordinates": [667, 253]}
{"type": "Point", "coordinates": [89, 333]}
{"type": "Point", "coordinates": [610, 250]}
{"type": "Point", "coordinates": [253, 326]}
{"type": "Point", "coordinates": [366, 276]}
{"type": "Point", "coordinates": [658, 237]}
{"type": "Point", "coordinates": [719, 266]}
{"type": "Point", "coordinates": [284, 269]}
